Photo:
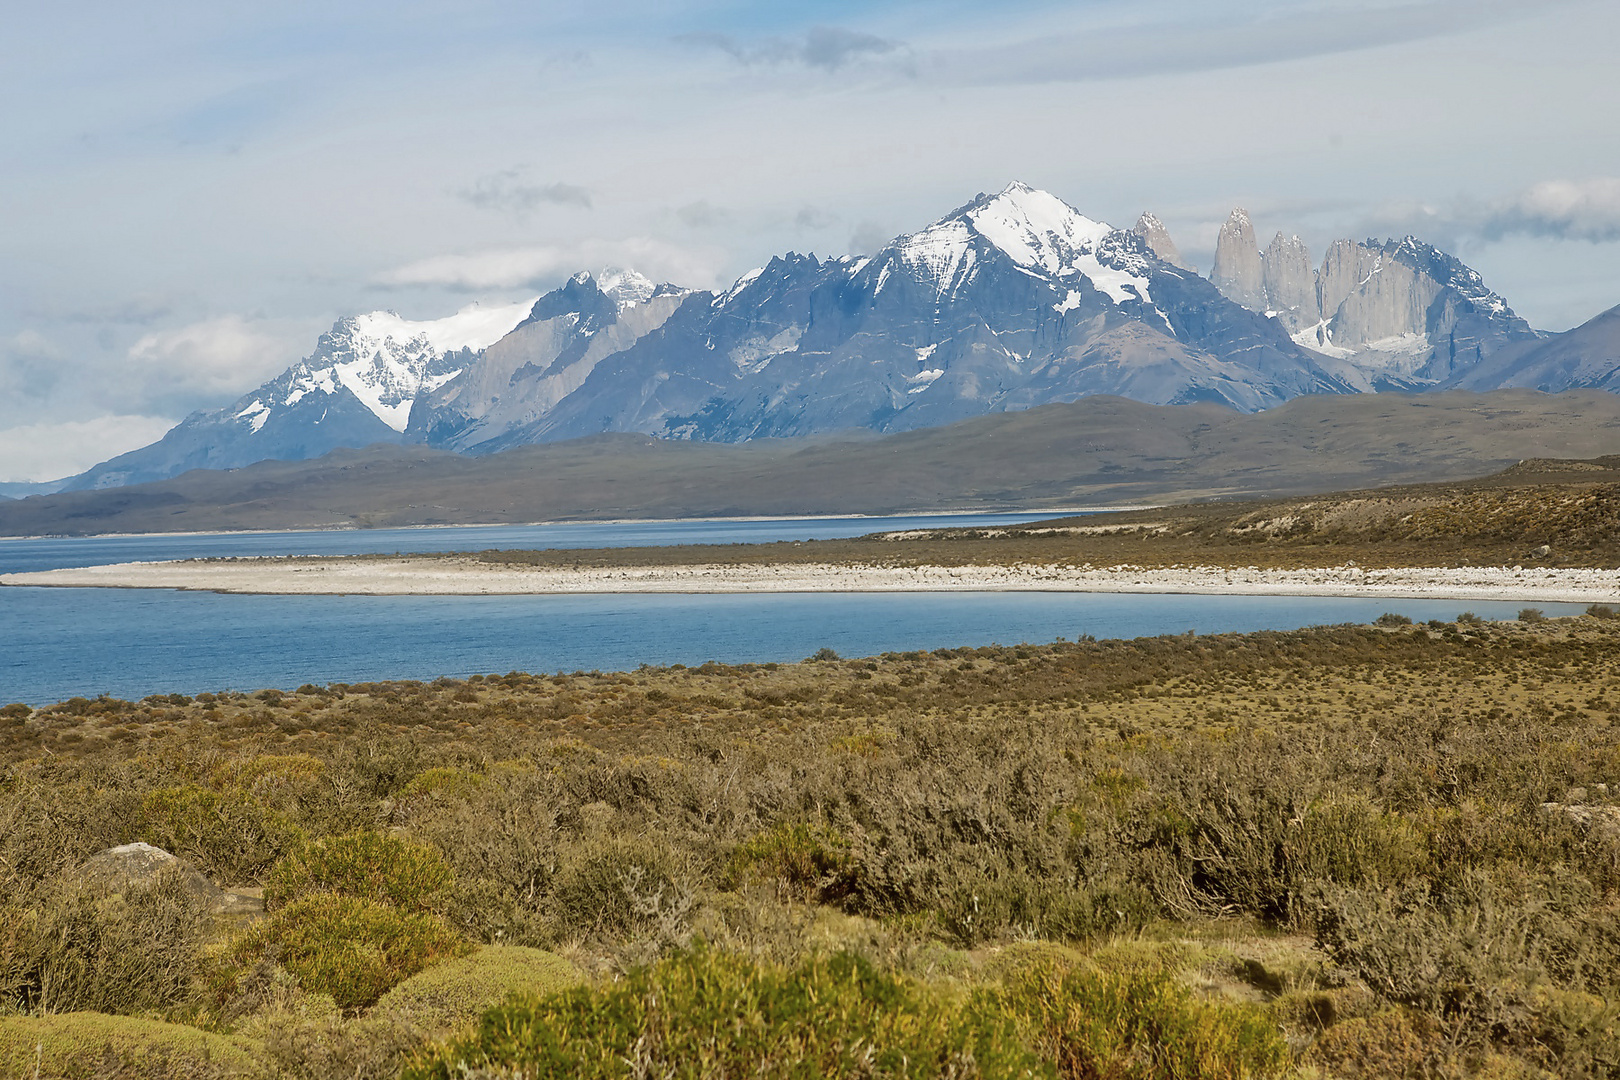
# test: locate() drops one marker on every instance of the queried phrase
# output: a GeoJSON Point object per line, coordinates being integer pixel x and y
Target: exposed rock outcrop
{"type": "Point", "coordinates": [1237, 271]}
{"type": "Point", "coordinates": [1157, 238]}
{"type": "Point", "coordinates": [1290, 283]}
{"type": "Point", "coordinates": [142, 866]}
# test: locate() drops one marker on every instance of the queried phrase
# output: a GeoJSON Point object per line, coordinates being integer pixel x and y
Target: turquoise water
{"type": "Point", "coordinates": [58, 643]}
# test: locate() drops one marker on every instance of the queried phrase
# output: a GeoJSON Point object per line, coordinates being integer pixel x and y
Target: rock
{"type": "Point", "coordinates": [1290, 283]}
{"type": "Point", "coordinates": [141, 865]}
{"type": "Point", "coordinates": [1603, 820]}
{"type": "Point", "coordinates": [1157, 238]}
{"type": "Point", "coordinates": [1541, 552]}
{"type": "Point", "coordinates": [1237, 271]}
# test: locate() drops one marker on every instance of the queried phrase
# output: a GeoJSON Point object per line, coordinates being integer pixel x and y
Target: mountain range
{"type": "Point", "coordinates": [1011, 301]}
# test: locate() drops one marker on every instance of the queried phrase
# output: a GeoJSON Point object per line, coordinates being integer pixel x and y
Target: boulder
{"type": "Point", "coordinates": [141, 865]}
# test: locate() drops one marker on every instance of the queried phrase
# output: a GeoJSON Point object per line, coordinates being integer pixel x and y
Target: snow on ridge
{"type": "Point", "coordinates": [474, 327]}
{"type": "Point", "coordinates": [1036, 228]}
{"type": "Point", "coordinates": [625, 286]}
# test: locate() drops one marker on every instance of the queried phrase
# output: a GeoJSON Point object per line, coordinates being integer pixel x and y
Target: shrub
{"type": "Point", "coordinates": [704, 1013]}
{"type": "Point", "coordinates": [1392, 1044]}
{"type": "Point", "coordinates": [93, 1045]}
{"type": "Point", "coordinates": [802, 861]}
{"type": "Point", "coordinates": [1390, 618]}
{"type": "Point", "coordinates": [71, 949]}
{"type": "Point", "coordinates": [352, 949]}
{"type": "Point", "coordinates": [363, 865]}
{"type": "Point", "coordinates": [1143, 1024]}
{"type": "Point", "coordinates": [825, 653]}
{"type": "Point", "coordinates": [18, 711]}
{"type": "Point", "coordinates": [451, 995]}
{"type": "Point", "coordinates": [624, 886]}
{"type": "Point", "coordinates": [231, 835]}
{"type": "Point", "coordinates": [1532, 615]}
{"type": "Point", "coordinates": [450, 782]}
{"type": "Point", "coordinates": [1468, 618]}
{"type": "Point", "coordinates": [1597, 611]}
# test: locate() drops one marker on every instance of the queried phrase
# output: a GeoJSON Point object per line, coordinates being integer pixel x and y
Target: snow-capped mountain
{"type": "Point", "coordinates": [1013, 300]}
{"type": "Point", "coordinates": [1397, 314]}
{"type": "Point", "coordinates": [358, 387]}
{"type": "Point", "coordinates": [493, 402]}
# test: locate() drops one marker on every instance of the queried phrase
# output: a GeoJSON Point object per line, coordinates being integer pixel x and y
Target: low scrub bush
{"type": "Point", "coordinates": [231, 835]}
{"type": "Point", "coordinates": [70, 948]}
{"type": "Point", "coordinates": [625, 886]}
{"type": "Point", "coordinates": [354, 950]}
{"type": "Point", "coordinates": [363, 865]}
{"type": "Point", "coordinates": [451, 995]}
{"type": "Point", "coordinates": [1143, 1024]}
{"type": "Point", "coordinates": [704, 1013]}
{"type": "Point", "coordinates": [1390, 618]}
{"type": "Point", "coordinates": [1532, 615]}
{"type": "Point", "coordinates": [801, 861]}
{"type": "Point", "coordinates": [93, 1046]}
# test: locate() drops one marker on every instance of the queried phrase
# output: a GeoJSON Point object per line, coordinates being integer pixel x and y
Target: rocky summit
{"type": "Point", "coordinates": [1013, 300]}
{"type": "Point", "coordinates": [1396, 314]}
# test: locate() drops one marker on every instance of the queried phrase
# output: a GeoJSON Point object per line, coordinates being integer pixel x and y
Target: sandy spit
{"type": "Point", "coordinates": [452, 576]}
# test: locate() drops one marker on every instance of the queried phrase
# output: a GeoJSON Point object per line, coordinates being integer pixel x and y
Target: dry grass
{"type": "Point", "coordinates": [1394, 841]}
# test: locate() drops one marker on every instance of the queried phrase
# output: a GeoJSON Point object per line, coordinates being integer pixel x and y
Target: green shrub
{"type": "Point", "coordinates": [801, 861]}
{"type": "Point", "coordinates": [365, 865]}
{"type": "Point", "coordinates": [352, 949]}
{"type": "Point", "coordinates": [444, 780]}
{"type": "Point", "coordinates": [452, 994]}
{"type": "Point", "coordinates": [1143, 1024]}
{"type": "Point", "coordinates": [231, 835]}
{"type": "Point", "coordinates": [1532, 615]}
{"type": "Point", "coordinates": [69, 948]}
{"type": "Point", "coordinates": [94, 1046]}
{"type": "Point", "coordinates": [704, 1013]}
{"type": "Point", "coordinates": [1597, 611]}
{"type": "Point", "coordinates": [1468, 618]}
{"type": "Point", "coordinates": [1390, 618]}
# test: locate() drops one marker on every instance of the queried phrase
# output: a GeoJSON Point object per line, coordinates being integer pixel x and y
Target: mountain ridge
{"type": "Point", "coordinates": [1100, 450]}
{"type": "Point", "coordinates": [1012, 300]}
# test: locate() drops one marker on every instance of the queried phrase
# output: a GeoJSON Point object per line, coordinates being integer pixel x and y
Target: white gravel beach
{"type": "Point", "coordinates": [453, 576]}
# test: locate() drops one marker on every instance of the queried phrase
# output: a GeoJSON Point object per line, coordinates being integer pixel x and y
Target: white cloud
{"type": "Point", "coordinates": [1563, 209]}
{"type": "Point", "coordinates": [543, 264]}
{"type": "Point", "coordinates": [217, 356]}
{"type": "Point", "coordinates": [37, 452]}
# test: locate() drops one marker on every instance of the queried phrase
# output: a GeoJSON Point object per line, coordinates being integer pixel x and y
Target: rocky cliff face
{"type": "Point", "coordinates": [1393, 314]}
{"type": "Point", "coordinates": [519, 379]}
{"type": "Point", "coordinates": [1290, 283]}
{"type": "Point", "coordinates": [1157, 238]}
{"type": "Point", "coordinates": [1238, 272]}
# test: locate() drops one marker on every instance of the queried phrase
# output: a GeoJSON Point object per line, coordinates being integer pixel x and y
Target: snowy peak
{"type": "Point", "coordinates": [626, 287]}
{"type": "Point", "coordinates": [474, 327]}
{"type": "Point", "coordinates": [383, 360]}
{"type": "Point", "coordinates": [1035, 228]}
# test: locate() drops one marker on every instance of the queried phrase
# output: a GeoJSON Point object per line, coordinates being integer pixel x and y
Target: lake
{"type": "Point", "coordinates": [58, 643]}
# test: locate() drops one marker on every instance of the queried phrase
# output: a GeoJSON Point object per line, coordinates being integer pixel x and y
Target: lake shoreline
{"type": "Point", "coordinates": [460, 576]}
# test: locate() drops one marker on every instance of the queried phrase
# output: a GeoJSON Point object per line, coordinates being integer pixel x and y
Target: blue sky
{"type": "Point", "coordinates": [194, 191]}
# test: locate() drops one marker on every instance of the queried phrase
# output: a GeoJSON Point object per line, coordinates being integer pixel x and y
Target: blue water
{"type": "Point", "coordinates": [57, 643]}
{"type": "Point", "coordinates": [18, 554]}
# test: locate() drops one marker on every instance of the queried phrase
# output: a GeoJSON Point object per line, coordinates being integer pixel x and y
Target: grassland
{"type": "Point", "coordinates": [1347, 851]}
